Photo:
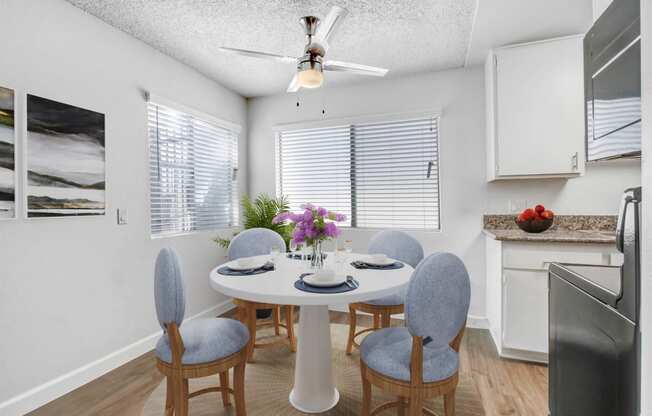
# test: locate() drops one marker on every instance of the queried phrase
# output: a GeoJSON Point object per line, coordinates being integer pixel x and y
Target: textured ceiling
{"type": "Point", "coordinates": [504, 22]}
{"type": "Point", "coordinates": [405, 36]}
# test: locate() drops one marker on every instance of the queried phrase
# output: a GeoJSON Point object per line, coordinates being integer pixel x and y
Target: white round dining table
{"type": "Point", "coordinates": [314, 388]}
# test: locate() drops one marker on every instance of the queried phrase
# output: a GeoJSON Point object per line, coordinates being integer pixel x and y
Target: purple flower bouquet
{"type": "Point", "coordinates": [311, 227]}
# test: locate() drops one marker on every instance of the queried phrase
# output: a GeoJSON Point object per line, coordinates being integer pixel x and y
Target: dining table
{"type": "Point", "coordinates": [314, 388]}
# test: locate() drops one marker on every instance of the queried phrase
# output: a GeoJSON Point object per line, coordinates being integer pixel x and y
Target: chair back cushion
{"type": "Point", "coordinates": [438, 298]}
{"type": "Point", "coordinates": [169, 293]}
{"type": "Point", "coordinates": [397, 245]}
{"type": "Point", "coordinates": [254, 242]}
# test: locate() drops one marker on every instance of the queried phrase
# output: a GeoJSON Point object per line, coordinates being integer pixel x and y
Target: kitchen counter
{"type": "Point", "coordinates": [583, 229]}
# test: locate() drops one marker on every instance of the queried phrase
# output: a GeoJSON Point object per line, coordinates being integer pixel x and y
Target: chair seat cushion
{"type": "Point", "coordinates": [206, 340]}
{"type": "Point", "coordinates": [391, 300]}
{"type": "Point", "coordinates": [388, 351]}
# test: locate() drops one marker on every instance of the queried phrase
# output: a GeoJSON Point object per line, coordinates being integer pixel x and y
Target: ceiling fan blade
{"type": "Point", "coordinates": [261, 55]}
{"type": "Point", "coordinates": [355, 68]}
{"type": "Point", "coordinates": [294, 84]}
{"type": "Point", "coordinates": [330, 23]}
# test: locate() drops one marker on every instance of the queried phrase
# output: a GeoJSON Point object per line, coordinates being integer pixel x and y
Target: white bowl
{"type": "Point", "coordinates": [246, 263]}
{"type": "Point", "coordinates": [312, 280]}
{"type": "Point", "coordinates": [378, 258]}
{"type": "Point", "coordinates": [324, 275]}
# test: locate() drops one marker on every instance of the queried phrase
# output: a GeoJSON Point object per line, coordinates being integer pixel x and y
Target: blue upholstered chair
{"type": "Point", "coordinates": [196, 348]}
{"type": "Point", "coordinates": [257, 242]}
{"type": "Point", "coordinates": [396, 245]}
{"type": "Point", "coordinates": [421, 360]}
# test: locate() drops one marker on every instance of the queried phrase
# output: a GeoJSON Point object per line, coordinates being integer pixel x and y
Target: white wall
{"type": "Point", "coordinates": [459, 94]}
{"type": "Point", "coordinates": [646, 273]}
{"type": "Point", "coordinates": [599, 6]}
{"type": "Point", "coordinates": [74, 290]}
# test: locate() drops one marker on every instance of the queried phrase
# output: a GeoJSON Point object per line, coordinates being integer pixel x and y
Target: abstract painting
{"type": "Point", "coordinates": [65, 160]}
{"type": "Point", "coordinates": [7, 155]}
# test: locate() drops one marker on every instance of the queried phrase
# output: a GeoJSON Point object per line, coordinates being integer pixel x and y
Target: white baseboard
{"type": "Point", "coordinates": [55, 388]}
{"type": "Point", "coordinates": [479, 322]}
{"type": "Point", "coordinates": [472, 321]}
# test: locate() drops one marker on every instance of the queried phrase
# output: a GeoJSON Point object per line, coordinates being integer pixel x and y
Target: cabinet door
{"type": "Point", "coordinates": [525, 310]}
{"type": "Point", "coordinates": [539, 108]}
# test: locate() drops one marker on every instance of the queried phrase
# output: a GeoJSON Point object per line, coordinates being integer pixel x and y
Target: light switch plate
{"type": "Point", "coordinates": [122, 216]}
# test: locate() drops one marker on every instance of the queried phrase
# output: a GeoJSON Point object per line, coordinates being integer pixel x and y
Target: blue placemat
{"type": "Point", "coordinates": [301, 285]}
{"type": "Point", "coordinates": [268, 267]}
{"type": "Point", "coordinates": [362, 265]}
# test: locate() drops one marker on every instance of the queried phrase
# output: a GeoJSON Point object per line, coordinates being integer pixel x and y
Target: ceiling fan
{"type": "Point", "coordinates": [311, 65]}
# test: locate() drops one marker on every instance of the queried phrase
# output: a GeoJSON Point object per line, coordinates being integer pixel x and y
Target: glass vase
{"type": "Point", "coordinates": [317, 258]}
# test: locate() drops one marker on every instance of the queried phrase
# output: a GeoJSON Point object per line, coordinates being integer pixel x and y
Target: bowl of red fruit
{"type": "Point", "coordinates": [535, 220]}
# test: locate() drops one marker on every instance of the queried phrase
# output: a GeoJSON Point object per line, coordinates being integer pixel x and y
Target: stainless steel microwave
{"type": "Point", "coordinates": [612, 83]}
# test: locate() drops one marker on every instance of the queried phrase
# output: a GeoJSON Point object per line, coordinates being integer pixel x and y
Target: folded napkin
{"type": "Point", "coordinates": [267, 267]}
{"type": "Point", "coordinates": [359, 264]}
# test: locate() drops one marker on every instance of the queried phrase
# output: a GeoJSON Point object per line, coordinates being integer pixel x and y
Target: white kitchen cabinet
{"type": "Point", "coordinates": [534, 110]}
{"type": "Point", "coordinates": [517, 290]}
{"type": "Point", "coordinates": [525, 310]}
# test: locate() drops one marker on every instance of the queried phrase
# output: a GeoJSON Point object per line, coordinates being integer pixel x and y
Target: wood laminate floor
{"type": "Point", "coordinates": [506, 387]}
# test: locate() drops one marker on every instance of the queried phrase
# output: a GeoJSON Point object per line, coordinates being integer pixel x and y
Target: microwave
{"type": "Point", "coordinates": [612, 83]}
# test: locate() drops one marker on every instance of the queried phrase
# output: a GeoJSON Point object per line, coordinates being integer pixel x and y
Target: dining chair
{"type": "Point", "coordinates": [256, 242]}
{"type": "Point", "coordinates": [195, 348]}
{"type": "Point", "coordinates": [396, 245]}
{"type": "Point", "coordinates": [421, 360]}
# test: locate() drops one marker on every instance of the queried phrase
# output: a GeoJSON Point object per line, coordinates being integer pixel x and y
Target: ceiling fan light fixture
{"type": "Point", "coordinates": [311, 78]}
{"type": "Point", "coordinates": [310, 73]}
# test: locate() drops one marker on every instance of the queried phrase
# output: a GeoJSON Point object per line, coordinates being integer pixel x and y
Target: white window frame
{"type": "Point", "coordinates": [208, 118]}
{"type": "Point", "coordinates": [362, 119]}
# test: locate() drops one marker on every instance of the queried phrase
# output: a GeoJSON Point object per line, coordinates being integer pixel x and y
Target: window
{"type": "Point", "coordinates": [380, 174]}
{"type": "Point", "coordinates": [193, 169]}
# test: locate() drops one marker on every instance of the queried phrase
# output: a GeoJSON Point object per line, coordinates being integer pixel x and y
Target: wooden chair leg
{"type": "Point", "coordinates": [239, 389]}
{"type": "Point", "coordinates": [177, 383]}
{"type": "Point", "coordinates": [181, 398]}
{"type": "Point", "coordinates": [402, 406]}
{"type": "Point", "coordinates": [352, 326]}
{"type": "Point", "coordinates": [251, 325]}
{"type": "Point", "coordinates": [289, 323]}
{"type": "Point", "coordinates": [224, 383]}
{"type": "Point", "coordinates": [169, 397]}
{"type": "Point", "coordinates": [449, 403]}
{"type": "Point", "coordinates": [376, 320]}
{"type": "Point", "coordinates": [366, 395]}
{"type": "Point", "coordinates": [415, 407]}
{"type": "Point", "coordinates": [276, 312]}
{"type": "Point", "coordinates": [386, 320]}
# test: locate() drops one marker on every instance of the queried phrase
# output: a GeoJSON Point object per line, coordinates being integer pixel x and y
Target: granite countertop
{"type": "Point", "coordinates": [586, 229]}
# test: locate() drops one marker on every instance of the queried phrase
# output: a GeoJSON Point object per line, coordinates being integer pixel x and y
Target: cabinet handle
{"type": "Point", "coordinates": [574, 161]}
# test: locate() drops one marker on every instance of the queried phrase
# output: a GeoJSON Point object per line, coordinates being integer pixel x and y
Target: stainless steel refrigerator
{"type": "Point", "coordinates": [594, 335]}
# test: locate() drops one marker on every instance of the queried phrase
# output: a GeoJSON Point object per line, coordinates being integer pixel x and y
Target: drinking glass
{"type": "Point", "coordinates": [339, 259]}
{"type": "Point", "coordinates": [348, 248]}
{"type": "Point", "coordinates": [275, 253]}
{"type": "Point", "coordinates": [293, 248]}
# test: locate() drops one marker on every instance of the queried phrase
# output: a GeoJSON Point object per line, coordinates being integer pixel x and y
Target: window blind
{"type": "Point", "coordinates": [193, 169]}
{"type": "Point", "coordinates": [382, 174]}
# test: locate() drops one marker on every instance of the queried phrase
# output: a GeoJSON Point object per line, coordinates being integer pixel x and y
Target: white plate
{"type": "Point", "coordinates": [370, 261]}
{"type": "Point", "coordinates": [256, 264]}
{"type": "Point", "coordinates": [310, 280]}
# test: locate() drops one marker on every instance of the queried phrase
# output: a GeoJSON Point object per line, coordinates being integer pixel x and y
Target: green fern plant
{"type": "Point", "coordinates": [259, 213]}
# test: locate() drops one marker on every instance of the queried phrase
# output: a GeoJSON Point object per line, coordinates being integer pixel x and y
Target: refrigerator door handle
{"type": "Point", "coordinates": [620, 228]}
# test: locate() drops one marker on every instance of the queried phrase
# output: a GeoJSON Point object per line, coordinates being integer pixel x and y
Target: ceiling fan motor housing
{"type": "Point", "coordinates": [310, 61]}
